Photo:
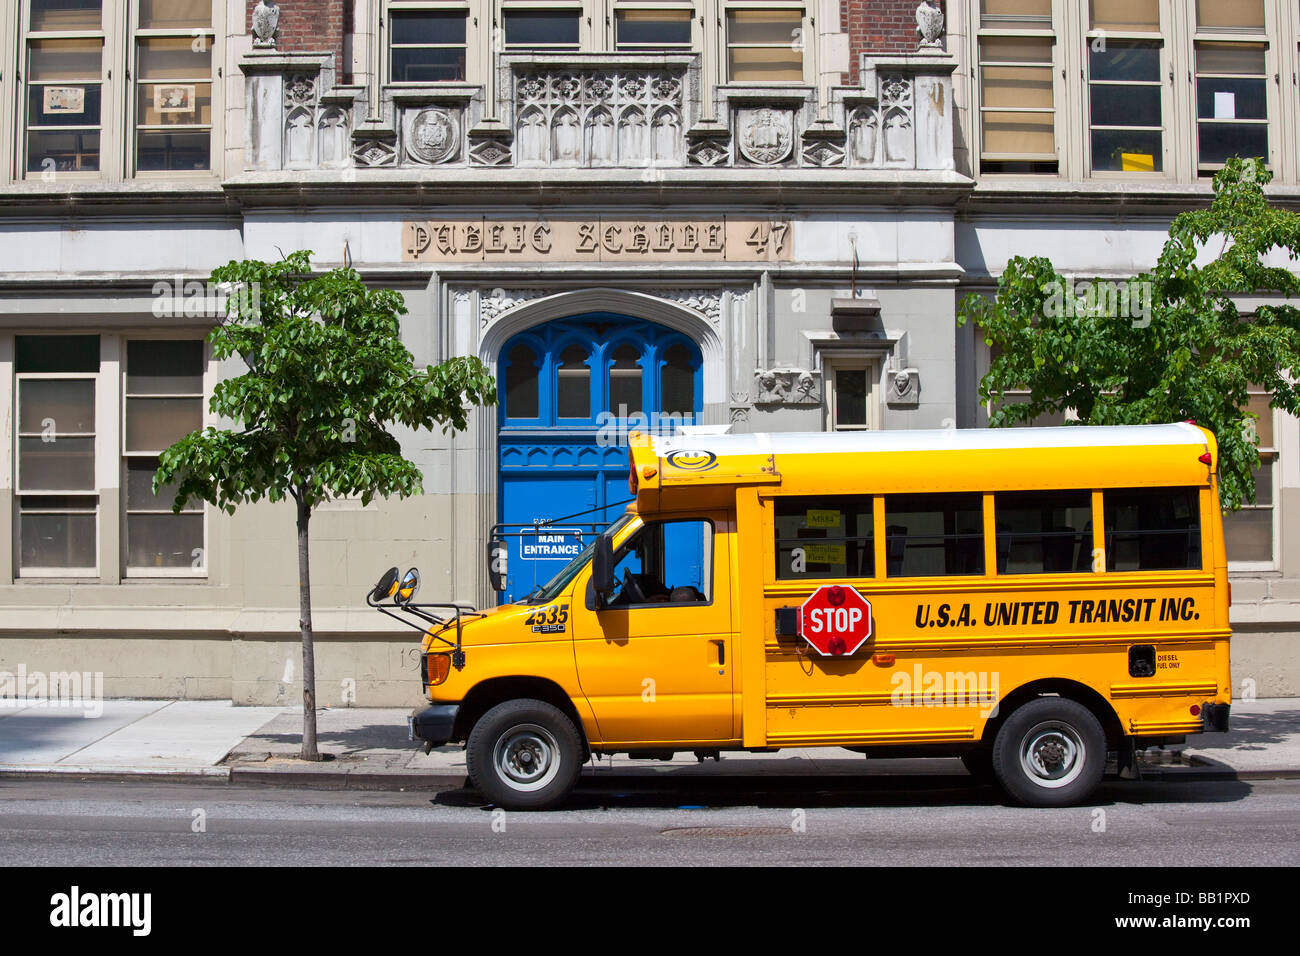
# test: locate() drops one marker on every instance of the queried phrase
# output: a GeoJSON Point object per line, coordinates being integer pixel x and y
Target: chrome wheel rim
{"type": "Point", "coordinates": [1052, 754]}
{"type": "Point", "coordinates": [526, 757]}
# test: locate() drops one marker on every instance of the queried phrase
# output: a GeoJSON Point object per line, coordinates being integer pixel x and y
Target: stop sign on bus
{"type": "Point", "coordinates": [836, 620]}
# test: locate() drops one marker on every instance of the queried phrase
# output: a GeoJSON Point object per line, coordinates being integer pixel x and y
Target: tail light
{"type": "Point", "coordinates": [437, 667]}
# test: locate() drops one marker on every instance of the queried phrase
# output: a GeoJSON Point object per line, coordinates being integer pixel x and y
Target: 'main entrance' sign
{"type": "Point", "coordinates": [597, 240]}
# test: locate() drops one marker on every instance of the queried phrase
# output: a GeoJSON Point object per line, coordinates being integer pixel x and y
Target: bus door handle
{"type": "Point", "coordinates": [722, 652]}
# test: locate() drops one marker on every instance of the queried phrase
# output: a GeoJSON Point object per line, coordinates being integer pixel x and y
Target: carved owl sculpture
{"type": "Point", "coordinates": [929, 24]}
{"type": "Point", "coordinates": [266, 19]}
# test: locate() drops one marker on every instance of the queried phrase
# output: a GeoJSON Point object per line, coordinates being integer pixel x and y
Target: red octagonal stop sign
{"type": "Point", "coordinates": [836, 620]}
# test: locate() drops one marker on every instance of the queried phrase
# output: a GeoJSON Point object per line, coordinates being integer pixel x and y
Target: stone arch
{"type": "Point", "coordinates": [640, 305]}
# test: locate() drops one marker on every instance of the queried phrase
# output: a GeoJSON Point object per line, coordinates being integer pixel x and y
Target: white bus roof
{"type": "Point", "coordinates": [941, 439]}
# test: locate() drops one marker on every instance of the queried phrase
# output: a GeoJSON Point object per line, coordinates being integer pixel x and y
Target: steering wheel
{"type": "Point", "coordinates": [632, 589]}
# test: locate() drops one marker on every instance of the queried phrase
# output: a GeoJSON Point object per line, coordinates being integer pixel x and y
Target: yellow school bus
{"type": "Point", "coordinates": [1030, 600]}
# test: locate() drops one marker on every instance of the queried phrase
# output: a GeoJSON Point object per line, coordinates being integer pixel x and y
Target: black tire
{"type": "Point", "coordinates": [979, 764]}
{"type": "Point", "coordinates": [1049, 753]}
{"type": "Point", "coordinates": [538, 740]}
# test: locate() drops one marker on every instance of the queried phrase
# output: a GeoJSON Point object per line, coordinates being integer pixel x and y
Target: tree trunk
{"type": "Point", "coordinates": [309, 751]}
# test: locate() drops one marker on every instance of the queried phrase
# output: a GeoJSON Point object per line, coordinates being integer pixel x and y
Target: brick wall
{"type": "Point", "coordinates": [879, 26]}
{"type": "Point", "coordinates": [311, 26]}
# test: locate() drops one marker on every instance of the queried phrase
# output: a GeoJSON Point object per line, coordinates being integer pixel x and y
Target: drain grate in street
{"type": "Point", "coordinates": [723, 831]}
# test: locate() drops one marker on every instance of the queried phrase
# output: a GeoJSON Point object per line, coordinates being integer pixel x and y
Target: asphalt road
{"type": "Point", "coordinates": [799, 822]}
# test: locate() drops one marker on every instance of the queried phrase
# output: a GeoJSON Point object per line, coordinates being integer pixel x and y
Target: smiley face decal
{"type": "Point", "coordinates": [692, 460]}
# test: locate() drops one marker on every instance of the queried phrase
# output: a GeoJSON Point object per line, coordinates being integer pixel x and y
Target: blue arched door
{"type": "Point", "coordinates": [571, 390]}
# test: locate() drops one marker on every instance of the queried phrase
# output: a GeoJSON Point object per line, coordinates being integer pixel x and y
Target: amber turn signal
{"type": "Point", "coordinates": [439, 666]}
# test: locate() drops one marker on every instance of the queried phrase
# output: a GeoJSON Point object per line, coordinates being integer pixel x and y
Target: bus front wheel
{"type": "Point", "coordinates": [1050, 753]}
{"type": "Point", "coordinates": [524, 755]}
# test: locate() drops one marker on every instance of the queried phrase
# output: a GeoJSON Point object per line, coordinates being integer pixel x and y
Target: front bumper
{"type": "Point", "coordinates": [1214, 717]}
{"type": "Point", "coordinates": [433, 725]}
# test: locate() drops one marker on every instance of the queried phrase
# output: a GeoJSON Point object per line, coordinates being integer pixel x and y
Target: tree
{"type": "Point", "coordinates": [326, 374]}
{"type": "Point", "coordinates": [1168, 345]}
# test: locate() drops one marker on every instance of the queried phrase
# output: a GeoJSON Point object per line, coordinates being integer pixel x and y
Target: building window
{"type": "Point", "coordinates": [652, 29]}
{"type": "Point", "coordinates": [58, 499]}
{"type": "Point", "coordinates": [765, 45]}
{"type": "Point", "coordinates": [1017, 111]}
{"type": "Point", "coordinates": [677, 381]}
{"type": "Point", "coordinates": [625, 392]}
{"type": "Point", "coordinates": [163, 403]}
{"type": "Point", "coordinates": [850, 385]}
{"type": "Point", "coordinates": [1126, 131]}
{"type": "Point", "coordinates": [522, 383]}
{"type": "Point", "coordinates": [1248, 533]}
{"type": "Point", "coordinates": [542, 29]}
{"type": "Point", "coordinates": [427, 46]}
{"type": "Point", "coordinates": [64, 67]}
{"type": "Point", "coordinates": [1231, 82]}
{"type": "Point", "coordinates": [573, 384]}
{"type": "Point", "coordinates": [173, 85]}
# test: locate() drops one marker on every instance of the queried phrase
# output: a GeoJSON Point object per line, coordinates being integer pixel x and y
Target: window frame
{"type": "Point", "coordinates": [474, 32]}
{"type": "Point", "coordinates": [621, 552]}
{"type": "Point", "coordinates": [131, 128]}
{"type": "Point", "coordinates": [1270, 458]}
{"type": "Point", "coordinates": [97, 380]}
{"type": "Point", "coordinates": [851, 361]}
{"type": "Point", "coordinates": [1165, 74]}
{"type": "Point", "coordinates": [807, 53]}
{"type": "Point", "coordinates": [109, 126]}
{"type": "Point", "coordinates": [1053, 30]}
{"type": "Point", "coordinates": [124, 455]}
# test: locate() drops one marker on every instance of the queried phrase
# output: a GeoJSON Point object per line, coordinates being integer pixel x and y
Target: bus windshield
{"type": "Point", "coordinates": [552, 588]}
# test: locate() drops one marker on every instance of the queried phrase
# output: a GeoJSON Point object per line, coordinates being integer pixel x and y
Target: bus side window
{"type": "Point", "coordinates": [935, 534]}
{"type": "Point", "coordinates": [831, 537]}
{"type": "Point", "coordinates": [1043, 532]}
{"type": "Point", "coordinates": [1153, 529]}
{"type": "Point", "coordinates": [668, 562]}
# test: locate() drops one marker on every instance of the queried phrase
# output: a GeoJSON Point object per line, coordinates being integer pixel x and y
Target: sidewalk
{"type": "Point", "coordinates": [368, 749]}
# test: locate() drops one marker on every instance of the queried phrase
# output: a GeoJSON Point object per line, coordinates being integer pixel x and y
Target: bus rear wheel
{"type": "Point", "coordinates": [1050, 753]}
{"type": "Point", "coordinates": [524, 755]}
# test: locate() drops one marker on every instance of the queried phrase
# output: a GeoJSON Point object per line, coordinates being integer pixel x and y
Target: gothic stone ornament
{"type": "Point", "coordinates": [300, 90]}
{"type": "Point", "coordinates": [489, 152]}
{"type": "Point", "coordinates": [709, 151]}
{"type": "Point", "coordinates": [929, 25]}
{"type": "Point", "coordinates": [432, 136]}
{"type": "Point", "coordinates": [766, 135]}
{"type": "Point", "coordinates": [823, 152]}
{"type": "Point", "coordinates": [266, 20]}
{"type": "Point", "coordinates": [374, 152]}
{"type": "Point", "coordinates": [786, 386]}
{"type": "Point", "coordinates": [904, 388]}
{"type": "Point", "coordinates": [493, 302]}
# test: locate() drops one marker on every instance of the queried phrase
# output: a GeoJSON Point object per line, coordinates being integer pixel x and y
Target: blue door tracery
{"type": "Point", "coordinates": [571, 390]}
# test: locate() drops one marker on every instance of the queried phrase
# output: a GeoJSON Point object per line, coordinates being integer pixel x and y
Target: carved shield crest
{"type": "Point", "coordinates": [766, 135]}
{"type": "Point", "coordinates": [432, 136]}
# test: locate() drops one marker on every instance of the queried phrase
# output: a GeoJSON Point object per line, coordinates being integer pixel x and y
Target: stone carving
{"type": "Point", "coordinates": [709, 150]}
{"type": "Point", "coordinates": [598, 118]}
{"type": "Point", "coordinates": [739, 407]}
{"type": "Point", "coordinates": [929, 24]}
{"type": "Point", "coordinates": [432, 136]}
{"type": "Point", "coordinates": [904, 388]}
{"type": "Point", "coordinates": [489, 152]}
{"type": "Point", "coordinates": [299, 139]}
{"type": "Point", "coordinates": [299, 90]}
{"type": "Point", "coordinates": [332, 137]}
{"type": "Point", "coordinates": [266, 23]}
{"type": "Point", "coordinates": [766, 135]}
{"type": "Point", "coordinates": [787, 386]}
{"type": "Point", "coordinates": [896, 110]}
{"type": "Point", "coordinates": [707, 302]}
{"type": "Point", "coordinates": [374, 152]}
{"type": "Point", "coordinates": [823, 152]}
{"type": "Point", "coordinates": [882, 134]}
{"type": "Point", "coordinates": [496, 301]}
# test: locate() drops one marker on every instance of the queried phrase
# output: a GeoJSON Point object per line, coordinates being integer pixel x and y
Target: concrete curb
{"type": "Point", "coordinates": [311, 778]}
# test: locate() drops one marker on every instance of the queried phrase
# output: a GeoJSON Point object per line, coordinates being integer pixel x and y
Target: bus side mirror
{"type": "Point", "coordinates": [602, 567]}
{"type": "Point", "coordinates": [498, 563]}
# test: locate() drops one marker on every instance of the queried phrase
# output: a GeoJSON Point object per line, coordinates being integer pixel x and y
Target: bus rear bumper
{"type": "Point", "coordinates": [1214, 717]}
